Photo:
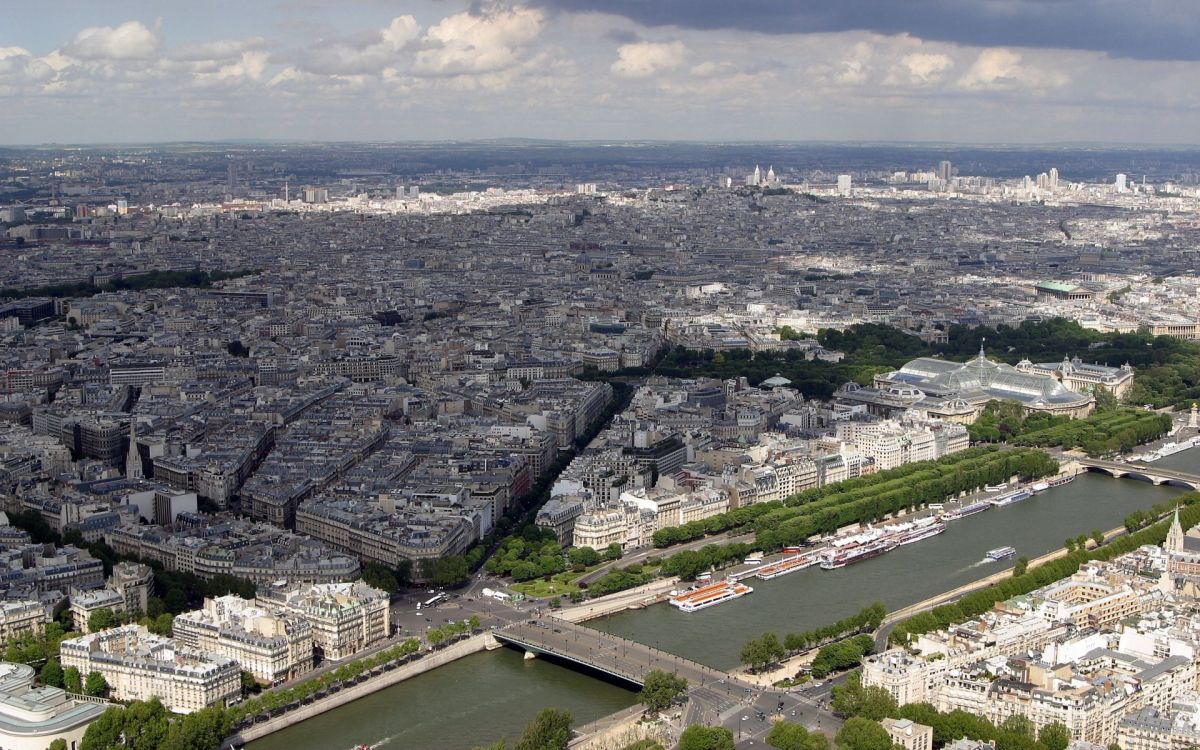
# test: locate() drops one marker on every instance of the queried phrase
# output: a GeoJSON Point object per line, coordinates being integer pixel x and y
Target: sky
{"type": "Point", "coordinates": [962, 71]}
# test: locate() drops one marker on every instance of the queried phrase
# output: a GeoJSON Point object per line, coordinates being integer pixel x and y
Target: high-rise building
{"type": "Point", "coordinates": [231, 180]}
{"type": "Point", "coordinates": [133, 459]}
{"type": "Point", "coordinates": [1119, 185]}
{"type": "Point", "coordinates": [843, 184]}
{"type": "Point", "coordinates": [1054, 178]}
{"type": "Point", "coordinates": [945, 170]}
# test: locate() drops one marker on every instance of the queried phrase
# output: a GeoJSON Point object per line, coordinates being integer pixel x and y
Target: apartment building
{"type": "Point", "coordinates": [138, 665]}
{"type": "Point", "coordinates": [345, 617]}
{"type": "Point", "coordinates": [271, 645]}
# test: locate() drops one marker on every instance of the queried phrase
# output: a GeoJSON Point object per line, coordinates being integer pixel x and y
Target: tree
{"type": "Point", "coordinates": [1018, 724]}
{"type": "Point", "coordinates": [788, 736]}
{"type": "Point", "coordinates": [1098, 537]}
{"type": "Point", "coordinates": [58, 744]}
{"type": "Point", "coordinates": [852, 699]}
{"type": "Point", "coordinates": [237, 349]}
{"type": "Point", "coordinates": [105, 732]}
{"type": "Point", "coordinates": [862, 734]}
{"type": "Point", "coordinates": [1105, 400]}
{"type": "Point", "coordinates": [549, 730]}
{"type": "Point", "coordinates": [700, 737]}
{"type": "Point", "coordinates": [445, 571]}
{"type": "Point", "coordinates": [660, 689]}
{"type": "Point", "coordinates": [206, 728]}
{"type": "Point", "coordinates": [1055, 736]}
{"type": "Point", "coordinates": [101, 619]}
{"type": "Point", "coordinates": [1021, 566]}
{"type": "Point", "coordinates": [379, 576]}
{"type": "Point", "coordinates": [52, 673]}
{"type": "Point", "coordinates": [613, 551]}
{"type": "Point", "coordinates": [72, 680]}
{"type": "Point", "coordinates": [95, 686]}
{"type": "Point", "coordinates": [250, 683]}
{"type": "Point", "coordinates": [1069, 544]}
{"type": "Point", "coordinates": [583, 556]}
{"type": "Point", "coordinates": [145, 725]}
{"type": "Point", "coordinates": [761, 651]}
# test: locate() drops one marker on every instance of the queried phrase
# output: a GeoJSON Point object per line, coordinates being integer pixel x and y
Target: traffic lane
{"type": "Point", "coordinates": [408, 619]}
{"type": "Point", "coordinates": [751, 725]}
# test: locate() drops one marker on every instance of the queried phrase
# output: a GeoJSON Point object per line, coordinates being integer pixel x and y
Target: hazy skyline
{"type": "Point", "coordinates": [1033, 71]}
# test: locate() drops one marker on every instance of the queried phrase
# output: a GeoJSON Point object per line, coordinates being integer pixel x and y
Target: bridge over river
{"type": "Point", "coordinates": [714, 697]}
{"type": "Point", "coordinates": [1143, 472]}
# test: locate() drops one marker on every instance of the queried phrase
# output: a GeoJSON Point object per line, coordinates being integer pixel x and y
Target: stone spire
{"type": "Point", "coordinates": [133, 461]}
{"type": "Point", "coordinates": [1174, 542]}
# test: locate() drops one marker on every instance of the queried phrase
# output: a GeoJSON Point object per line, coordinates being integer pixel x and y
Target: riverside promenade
{"type": "Point", "coordinates": [370, 684]}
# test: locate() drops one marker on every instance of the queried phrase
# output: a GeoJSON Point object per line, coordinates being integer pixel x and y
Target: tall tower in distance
{"type": "Point", "coordinates": [133, 460]}
{"type": "Point", "coordinates": [231, 177]}
{"type": "Point", "coordinates": [945, 170]}
{"type": "Point", "coordinates": [1054, 178]}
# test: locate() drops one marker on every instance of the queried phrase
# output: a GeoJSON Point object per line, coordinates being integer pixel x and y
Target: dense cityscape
{"type": "Point", "coordinates": [435, 439]}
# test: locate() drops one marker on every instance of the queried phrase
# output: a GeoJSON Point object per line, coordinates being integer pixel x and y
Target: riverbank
{"type": "Point", "coordinates": [635, 598]}
{"type": "Point", "coordinates": [791, 666]}
{"type": "Point", "coordinates": [472, 645]}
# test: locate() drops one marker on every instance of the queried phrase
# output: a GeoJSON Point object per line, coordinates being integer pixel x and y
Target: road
{"type": "Point", "coordinates": [714, 697]}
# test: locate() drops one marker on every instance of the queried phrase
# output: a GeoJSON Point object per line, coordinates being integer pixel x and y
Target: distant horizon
{"type": "Point", "coordinates": [520, 140]}
{"type": "Point", "coordinates": [706, 71]}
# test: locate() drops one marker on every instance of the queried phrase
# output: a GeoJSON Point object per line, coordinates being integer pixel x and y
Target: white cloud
{"type": "Point", "coordinates": [251, 66]}
{"type": "Point", "coordinates": [642, 59]}
{"type": "Point", "coordinates": [369, 54]}
{"type": "Point", "coordinates": [400, 32]}
{"type": "Point", "coordinates": [482, 42]}
{"type": "Point", "coordinates": [1001, 68]}
{"type": "Point", "coordinates": [926, 66]}
{"type": "Point", "coordinates": [221, 49]}
{"type": "Point", "coordinates": [131, 40]}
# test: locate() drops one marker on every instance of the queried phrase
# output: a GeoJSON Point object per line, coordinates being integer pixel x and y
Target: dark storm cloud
{"type": "Point", "coordinates": [1143, 29]}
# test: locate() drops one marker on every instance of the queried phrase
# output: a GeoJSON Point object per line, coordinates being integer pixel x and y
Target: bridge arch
{"type": "Point", "coordinates": [1180, 483]}
{"type": "Point", "coordinates": [1104, 470]}
{"type": "Point", "coordinates": [1139, 476]}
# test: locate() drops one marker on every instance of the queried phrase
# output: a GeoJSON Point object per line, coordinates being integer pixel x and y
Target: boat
{"type": "Point", "coordinates": [832, 560]}
{"type": "Point", "coordinates": [787, 565]}
{"type": "Point", "coordinates": [1059, 481]}
{"type": "Point", "coordinates": [709, 596]}
{"type": "Point", "coordinates": [1037, 487]}
{"type": "Point", "coordinates": [1011, 497]}
{"type": "Point", "coordinates": [1170, 449]}
{"type": "Point", "coordinates": [995, 487]}
{"type": "Point", "coordinates": [914, 531]}
{"type": "Point", "coordinates": [1001, 553]}
{"type": "Point", "coordinates": [970, 509]}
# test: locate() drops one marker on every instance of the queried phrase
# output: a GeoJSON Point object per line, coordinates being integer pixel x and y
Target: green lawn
{"type": "Point", "coordinates": [560, 584]}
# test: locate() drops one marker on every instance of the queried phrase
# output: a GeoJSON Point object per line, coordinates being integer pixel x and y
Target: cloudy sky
{"type": "Point", "coordinates": [967, 71]}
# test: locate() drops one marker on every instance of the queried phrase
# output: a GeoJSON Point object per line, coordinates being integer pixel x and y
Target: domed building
{"type": "Point", "coordinates": [958, 391]}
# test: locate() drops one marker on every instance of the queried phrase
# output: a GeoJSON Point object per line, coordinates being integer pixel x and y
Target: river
{"type": "Point", "coordinates": [471, 702]}
{"type": "Point", "coordinates": [814, 597]}
{"type": "Point", "coordinates": [482, 697]}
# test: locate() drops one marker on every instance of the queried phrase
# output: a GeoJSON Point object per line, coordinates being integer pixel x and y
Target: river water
{"type": "Point", "coordinates": [483, 697]}
{"type": "Point", "coordinates": [468, 703]}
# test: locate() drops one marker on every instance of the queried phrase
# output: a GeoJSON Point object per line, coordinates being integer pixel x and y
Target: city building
{"type": "Point", "coordinates": [273, 646]}
{"type": "Point", "coordinates": [138, 665]}
{"type": "Point", "coordinates": [33, 716]}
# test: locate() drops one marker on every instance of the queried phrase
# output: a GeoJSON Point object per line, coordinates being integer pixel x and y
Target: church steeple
{"type": "Point", "coordinates": [133, 461]}
{"type": "Point", "coordinates": [1174, 542]}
